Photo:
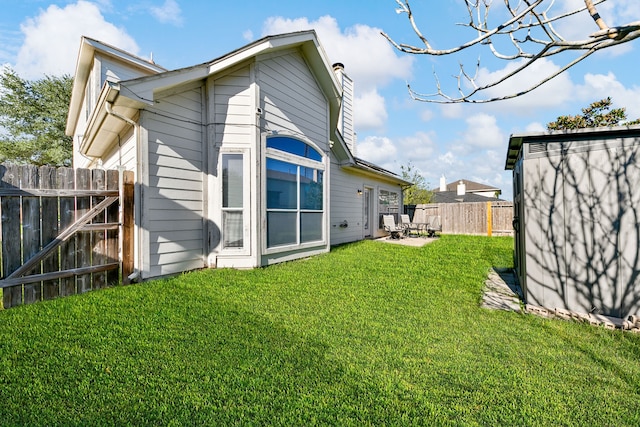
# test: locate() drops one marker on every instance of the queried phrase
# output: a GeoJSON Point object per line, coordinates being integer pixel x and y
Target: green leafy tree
{"type": "Point", "coordinates": [597, 114]}
{"type": "Point", "coordinates": [33, 116]}
{"type": "Point", "coordinates": [418, 192]}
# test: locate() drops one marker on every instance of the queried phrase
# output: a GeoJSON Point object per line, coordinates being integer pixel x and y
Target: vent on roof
{"type": "Point", "coordinates": [537, 147]}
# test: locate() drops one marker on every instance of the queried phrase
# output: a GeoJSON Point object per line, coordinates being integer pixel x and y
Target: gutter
{"type": "Point", "coordinates": [135, 276]}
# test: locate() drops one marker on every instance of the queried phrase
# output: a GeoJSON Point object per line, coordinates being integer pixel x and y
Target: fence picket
{"type": "Point", "coordinates": [83, 238]}
{"type": "Point", "coordinates": [66, 181]}
{"type": "Point", "coordinates": [11, 240]}
{"type": "Point", "coordinates": [111, 252]}
{"type": "Point", "coordinates": [31, 230]}
{"type": "Point", "coordinates": [50, 229]}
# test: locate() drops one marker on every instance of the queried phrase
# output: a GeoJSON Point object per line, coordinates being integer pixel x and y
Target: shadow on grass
{"type": "Point", "coordinates": [219, 366]}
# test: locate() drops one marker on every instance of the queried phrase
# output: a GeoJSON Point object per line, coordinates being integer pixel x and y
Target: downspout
{"type": "Point", "coordinates": [108, 106]}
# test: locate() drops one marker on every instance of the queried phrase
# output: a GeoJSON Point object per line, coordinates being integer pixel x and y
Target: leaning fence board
{"type": "Point", "coordinates": [50, 229]}
{"type": "Point", "coordinates": [98, 242]}
{"type": "Point", "coordinates": [60, 232]}
{"type": "Point", "coordinates": [83, 238]}
{"type": "Point", "coordinates": [66, 180]}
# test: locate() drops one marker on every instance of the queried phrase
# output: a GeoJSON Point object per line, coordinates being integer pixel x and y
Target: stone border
{"type": "Point", "coordinates": [502, 292]}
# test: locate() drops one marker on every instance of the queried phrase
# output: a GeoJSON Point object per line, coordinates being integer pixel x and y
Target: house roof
{"type": "Point", "coordinates": [88, 47]}
{"type": "Point", "coordinates": [453, 197]}
{"type": "Point", "coordinates": [470, 187]}
{"type": "Point", "coordinates": [126, 97]}
{"type": "Point", "coordinates": [516, 140]}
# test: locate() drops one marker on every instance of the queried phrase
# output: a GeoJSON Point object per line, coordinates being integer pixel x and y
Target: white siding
{"type": "Point", "coordinates": [173, 193]}
{"type": "Point", "coordinates": [234, 115]}
{"type": "Point", "coordinates": [115, 70]}
{"type": "Point", "coordinates": [291, 99]}
{"type": "Point", "coordinates": [348, 205]}
{"type": "Point", "coordinates": [123, 154]}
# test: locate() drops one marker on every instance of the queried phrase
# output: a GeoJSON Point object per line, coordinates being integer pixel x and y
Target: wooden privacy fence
{"type": "Point", "coordinates": [63, 231]}
{"type": "Point", "coordinates": [479, 218]}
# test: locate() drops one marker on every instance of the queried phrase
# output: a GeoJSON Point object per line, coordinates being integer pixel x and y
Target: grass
{"type": "Point", "coordinates": [369, 334]}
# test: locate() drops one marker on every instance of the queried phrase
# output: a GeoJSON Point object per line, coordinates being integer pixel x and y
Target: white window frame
{"type": "Point", "coordinates": [298, 161]}
{"type": "Point", "coordinates": [246, 200]}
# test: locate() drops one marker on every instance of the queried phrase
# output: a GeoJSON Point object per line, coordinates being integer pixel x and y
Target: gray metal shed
{"type": "Point", "coordinates": [577, 219]}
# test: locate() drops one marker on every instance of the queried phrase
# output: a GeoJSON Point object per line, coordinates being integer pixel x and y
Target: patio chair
{"type": "Point", "coordinates": [433, 225]}
{"type": "Point", "coordinates": [389, 223]}
{"type": "Point", "coordinates": [410, 228]}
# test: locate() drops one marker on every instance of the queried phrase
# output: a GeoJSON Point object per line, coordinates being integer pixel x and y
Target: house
{"type": "Point", "coordinates": [577, 219]}
{"type": "Point", "coordinates": [464, 191]}
{"type": "Point", "coordinates": [242, 161]}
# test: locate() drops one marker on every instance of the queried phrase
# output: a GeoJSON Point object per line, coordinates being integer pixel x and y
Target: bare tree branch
{"type": "Point", "coordinates": [531, 36]}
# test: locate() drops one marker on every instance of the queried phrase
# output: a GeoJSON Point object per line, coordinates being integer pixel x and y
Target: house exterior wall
{"type": "Point", "coordinates": [291, 99]}
{"type": "Point", "coordinates": [171, 215]}
{"type": "Point", "coordinates": [232, 103]}
{"type": "Point", "coordinates": [292, 104]}
{"type": "Point", "coordinates": [348, 205]}
{"type": "Point", "coordinates": [579, 231]}
{"type": "Point", "coordinates": [122, 154]}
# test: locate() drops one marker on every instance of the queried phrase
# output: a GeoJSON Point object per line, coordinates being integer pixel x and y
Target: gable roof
{"type": "Point", "coordinates": [88, 49]}
{"type": "Point", "coordinates": [453, 197]}
{"type": "Point", "coordinates": [126, 97]}
{"type": "Point", "coordinates": [470, 187]}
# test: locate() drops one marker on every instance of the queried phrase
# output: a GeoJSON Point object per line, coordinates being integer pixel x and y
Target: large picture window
{"type": "Point", "coordinates": [295, 192]}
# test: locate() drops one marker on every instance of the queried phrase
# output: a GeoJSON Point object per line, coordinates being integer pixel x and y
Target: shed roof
{"type": "Point", "coordinates": [516, 140]}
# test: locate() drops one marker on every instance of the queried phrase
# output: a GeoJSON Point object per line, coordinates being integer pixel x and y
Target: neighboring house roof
{"type": "Point", "coordinates": [516, 140]}
{"type": "Point", "coordinates": [453, 197]}
{"type": "Point", "coordinates": [470, 187]}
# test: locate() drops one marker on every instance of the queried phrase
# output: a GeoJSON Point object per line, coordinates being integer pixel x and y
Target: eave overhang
{"type": "Point", "coordinates": [84, 63]}
{"type": "Point", "coordinates": [103, 128]}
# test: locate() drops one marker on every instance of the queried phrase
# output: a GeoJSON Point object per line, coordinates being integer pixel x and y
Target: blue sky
{"type": "Point", "coordinates": [40, 37]}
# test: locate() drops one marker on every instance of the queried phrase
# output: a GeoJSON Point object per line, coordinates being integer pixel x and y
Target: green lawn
{"type": "Point", "coordinates": [369, 334]}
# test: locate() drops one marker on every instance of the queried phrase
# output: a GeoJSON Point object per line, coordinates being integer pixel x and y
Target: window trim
{"type": "Point", "coordinates": [299, 161]}
{"type": "Point", "coordinates": [246, 203]}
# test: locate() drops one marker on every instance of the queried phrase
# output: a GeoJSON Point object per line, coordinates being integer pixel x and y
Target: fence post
{"type": "Point", "coordinates": [127, 226]}
{"type": "Point", "coordinates": [489, 220]}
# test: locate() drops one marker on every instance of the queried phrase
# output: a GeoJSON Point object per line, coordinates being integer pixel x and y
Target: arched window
{"type": "Point", "coordinates": [295, 192]}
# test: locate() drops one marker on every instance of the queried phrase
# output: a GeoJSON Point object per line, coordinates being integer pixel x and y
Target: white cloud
{"type": "Point", "coordinates": [535, 127]}
{"type": "Point", "coordinates": [369, 110]}
{"type": "Point", "coordinates": [451, 111]}
{"type": "Point", "coordinates": [377, 149]}
{"type": "Point", "coordinates": [168, 13]}
{"type": "Point", "coordinates": [51, 39]}
{"type": "Point", "coordinates": [600, 86]}
{"type": "Point", "coordinates": [483, 132]}
{"type": "Point", "coordinates": [247, 35]}
{"type": "Point", "coordinates": [368, 58]}
{"type": "Point", "coordinates": [448, 158]}
{"type": "Point", "coordinates": [426, 115]}
{"type": "Point", "coordinates": [551, 94]}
